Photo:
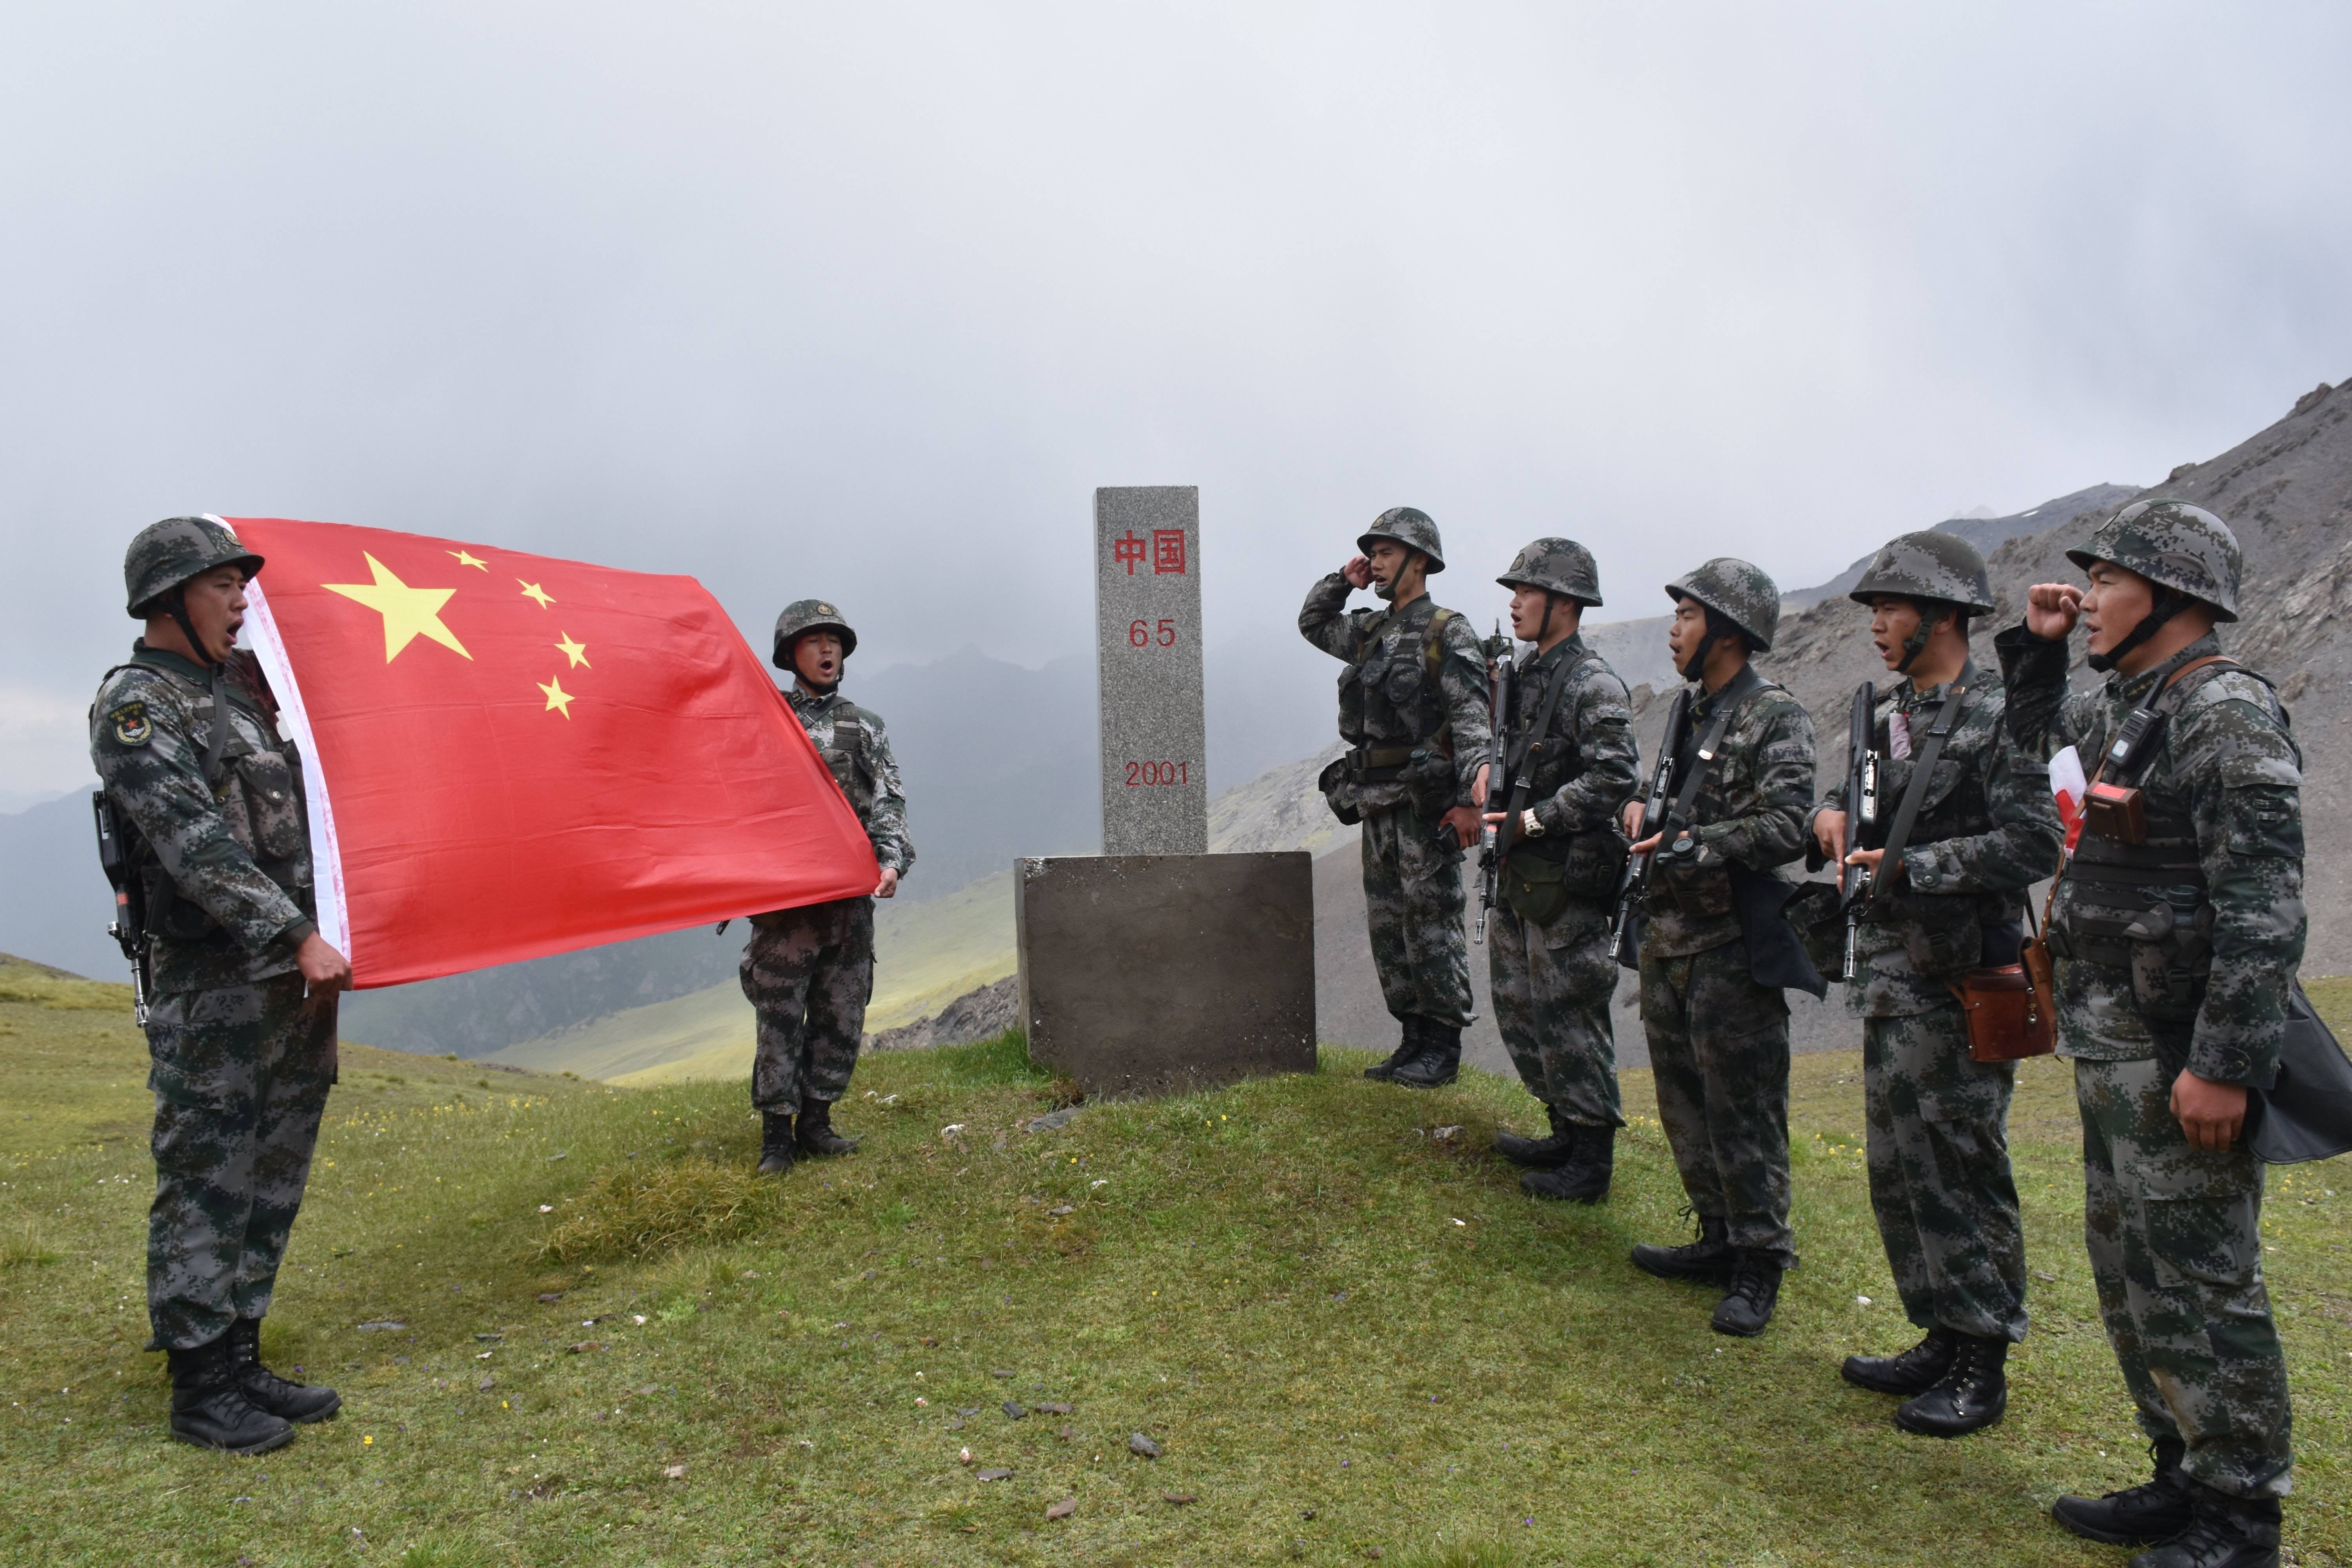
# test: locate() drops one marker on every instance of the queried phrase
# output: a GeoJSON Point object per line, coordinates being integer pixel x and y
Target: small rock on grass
{"type": "Point", "coordinates": [1180, 1499]}
{"type": "Point", "coordinates": [549, 1297]}
{"type": "Point", "coordinates": [999, 1374]}
{"type": "Point", "coordinates": [1013, 1411]}
{"type": "Point", "coordinates": [1051, 1409]}
{"type": "Point", "coordinates": [584, 1346]}
{"type": "Point", "coordinates": [1136, 1442]}
{"type": "Point", "coordinates": [675, 1472]}
{"type": "Point", "coordinates": [993, 1476]}
{"type": "Point", "coordinates": [1064, 1509]}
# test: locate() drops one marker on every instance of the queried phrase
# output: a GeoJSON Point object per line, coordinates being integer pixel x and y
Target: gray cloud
{"type": "Point", "coordinates": [864, 301]}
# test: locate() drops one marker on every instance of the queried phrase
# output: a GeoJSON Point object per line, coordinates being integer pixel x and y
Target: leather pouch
{"type": "Point", "coordinates": [2009, 1011]}
{"type": "Point", "coordinates": [2116, 812]}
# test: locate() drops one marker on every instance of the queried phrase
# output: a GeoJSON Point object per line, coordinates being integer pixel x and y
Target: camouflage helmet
{"type": "Point", "coordinates": [804, 616]}
{"type": "Point", "coordinates": [167, 553]}
{"type": "Point", "coordinates": [1927, 566]}
{"type": "Point", "coordinates": [2171, 544]}
{"type": "Point", "coordinates": [1409, 526]}
{"type": "Point", "coordinates": [1738, 592]}
{"type": "Point", "coordinates": [1561, 566]}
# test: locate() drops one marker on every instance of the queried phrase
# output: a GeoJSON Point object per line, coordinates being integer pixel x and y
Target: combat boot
{"type": "Point", "coordinates": [1707, 1260]}
{"type": "Point", "coordinates": [265, 1390]}
{"type": "Point", "coordinates": [2226, 1532]}
{"type": "Point", "coordinates": [816, 1133]}
{"type": "Point", "coordinates": [1914, 1371]}
{"type": "Point", "coordinates": [1747, 1306]}
{"type": "Point", "coordinates": [1541, 1153]}
{"type": "Point", "coordinates": [1409, 1045]}
{"type": "Point", "coordinates": [209, 1410]}
{"type": "Point", "coordinates": [775, 1144]}
{"type": "Point", "coordinates": [1585, 1178]}
{"type": "Point", "coordinates": [1972, 1394]}
{"type": "Point", "coordinates": [1440, 1061]}
{"type": "Point", "coordinates": [2154, 1510]}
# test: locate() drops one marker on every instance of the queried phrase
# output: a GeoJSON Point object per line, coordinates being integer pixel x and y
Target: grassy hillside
{"type": "Point", "coordinates": [1343, 1326]}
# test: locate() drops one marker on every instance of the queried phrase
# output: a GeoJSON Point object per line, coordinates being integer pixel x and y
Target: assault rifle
{"type": "Point", "coordinates": [130, 927]}
{"type": "Point", "coordinates": [1855, 882]}
{"type": "Point", "coordinates": [1495, 842]}
{"type": "Point", "coordinates": [1633, 884]}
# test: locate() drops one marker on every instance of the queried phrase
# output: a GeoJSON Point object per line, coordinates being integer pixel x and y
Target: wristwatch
{"type": "Point", "coordinates": [1529, 828]}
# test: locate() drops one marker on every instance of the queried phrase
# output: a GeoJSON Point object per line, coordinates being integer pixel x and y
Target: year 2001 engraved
{"type": "Point", "coordinates": [1141, 775]}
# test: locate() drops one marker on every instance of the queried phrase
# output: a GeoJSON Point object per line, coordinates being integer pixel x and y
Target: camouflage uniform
{"type": "Point", "coordinates": [1939, 1173]}
{"type": "Point", "coordinates": [2174, 1233]}
{"type": "Point", "coordinates": [240, 1063]}
{"type": "Point", "coordinates": [808, 972]}
{"type": "Point", "coordinates": [1719, 1040]}
{"type": "Point", "coordinates": [1393, 702]}
{"type": "Point", "coordinates": [1553, 981]}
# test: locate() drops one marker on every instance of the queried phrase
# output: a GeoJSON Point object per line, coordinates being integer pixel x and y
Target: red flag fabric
{"type": "Point", "coordinates": [510, 755]}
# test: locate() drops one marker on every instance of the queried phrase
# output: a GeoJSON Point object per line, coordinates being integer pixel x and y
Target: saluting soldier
{"type": "Point", "coordinates": [241, 1022]}
{"type": "Point", "coordinates": [1412, 709]}
{"type": "Point", "coordinates": [808, 972]}
{"type": "Point", "coordinates": [2178, 924]}
{"type": "Point", "coordinates": [1718, 1037]}
{"type": "Point", "coordinates": [1949, 898]}
{"type": "Point", "coordinates": [1572, 725]}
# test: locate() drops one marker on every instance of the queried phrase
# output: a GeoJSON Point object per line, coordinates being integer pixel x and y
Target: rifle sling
{"type": "Point", "coordinates": [1508, 831]}
{"type": "Point", "coordinates": [1914, 794]}
{"type": "Point", "coordinates": [1733, 697]}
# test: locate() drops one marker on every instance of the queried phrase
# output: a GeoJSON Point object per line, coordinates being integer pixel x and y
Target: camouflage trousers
{"type": "Point", "coordinates": [2175, 1245]}
{"type": "Point", "coordinates": [1939, 1176]}
{"type": "Point", "coordinates": [1552, 989]}
{"type": "Point", "coordinates": [240, 1075]}
{"type": "Point", "coordinates": [1413, 903]}
{"type": "Point", "coordinates": [1719, 1051]}
{"type": "Point", "coordinates": [809, 973]}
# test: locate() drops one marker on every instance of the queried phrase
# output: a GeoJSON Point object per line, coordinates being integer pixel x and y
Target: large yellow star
{"type": "Point", "coordinates": [533, 591]}
{"type": "Point", "coordinates": [408, 613]}
{"type": "Point", "coordinates": [557, 699]}
{"type": "Point", "coordinates": [476, 562]}
{"type": "Point", "coordinates": [575, 651]}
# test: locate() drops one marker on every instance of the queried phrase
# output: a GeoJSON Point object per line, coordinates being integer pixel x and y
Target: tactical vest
{"type": "Point", "coordinates": [846, 756]}
{"type": "Point", "coordinates": [2144, 907]}
{"type": "Point", "coordinates": [1555, 761]}
{"type": "Point", "coordinates": [1390, 704]}
{"type": "Point", "coordinates": [260, 792]}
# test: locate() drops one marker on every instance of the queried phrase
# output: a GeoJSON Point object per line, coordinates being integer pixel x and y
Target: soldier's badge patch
{"type": "Point", "coordinates": [132, 727]}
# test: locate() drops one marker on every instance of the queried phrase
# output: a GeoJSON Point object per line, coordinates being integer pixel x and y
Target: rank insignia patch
{"type": "Point", "coordinates": [131, 724]}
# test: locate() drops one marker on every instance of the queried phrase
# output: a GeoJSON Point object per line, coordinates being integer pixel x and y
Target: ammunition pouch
{"type": "Point", "coordinates": [1942, 937]}
{"type": "Point", "coordinates": [1340, 792]}
{"type": "Point", "coordinates": [1535, 886]}
{"type": "Point", "coordinates": [1701, 890]}
{"type": "Point", "coordinates": [1812, 912]}
{"type": "Point", "coordinates": [2159, 934]}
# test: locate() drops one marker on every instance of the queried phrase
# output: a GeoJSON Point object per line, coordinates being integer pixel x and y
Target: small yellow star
{"type": "Point", "coordinates": [533, 591]}
{"type": "Point", "coordinates": [576, 652]}
{"type": "Point", "coordinates": [476, 562]}
{"type": "Point", "coordinates": [557, 699]}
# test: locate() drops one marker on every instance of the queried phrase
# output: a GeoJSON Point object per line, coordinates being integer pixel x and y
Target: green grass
{"type": "Point", "coordinates": [1347, 1337]}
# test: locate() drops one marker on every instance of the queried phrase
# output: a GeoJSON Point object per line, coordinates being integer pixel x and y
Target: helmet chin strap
{"type": "Point", "coordinates": [1543, 629]}
{"type": "Point", "coordinates": [1695, 666]}
{"type": "Point", "coordinates": [1916, 643]}
{"type": "Point", "coordinates": [2169, 604]}
{"type": "Point", "coordinates": [176, 603]}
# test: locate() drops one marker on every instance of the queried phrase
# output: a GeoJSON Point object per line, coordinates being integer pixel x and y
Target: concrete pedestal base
{"type": "Point", "coordinates": [1145, 974]}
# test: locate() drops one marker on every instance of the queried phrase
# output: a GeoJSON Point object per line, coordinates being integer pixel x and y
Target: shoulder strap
{"type": "Point", "coordinates": [1923, 769]}
{"type": "Point", "coordinates": [2179, 688]}
{"type": "Point", "coordinates": [1704, 762]}
{"type": "Point", "coordinates": [1523, 777]}
{"type": "Point", "coordinates": [218, 698]}
{"type": "Point", "coordinates": [1432, 642]}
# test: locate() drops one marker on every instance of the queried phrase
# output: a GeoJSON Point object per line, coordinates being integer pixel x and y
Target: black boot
{"type": "Point", "coordinates": [775, 1144]}
{"type": "Point", "coordinates": [816, 1134]}
{"type": "Point", "coordinates": [2226, 1532]}
{"type": "Point", "coordinates": [1584, 1179]}
{"type": "Point", "coordinates": [2154, 1510]}
{"type": "Point", "coordinates": [1913, 1371]}
{"type": "Point", "coordinates": [265, 1390]}
{"type": "Point", "coordinates": [1440, 1061]}
{"type": "Point", "coordinates": [1708, 1259]}
{"type": "Point", "coordinates": [1972, 1394]}
{"type": "Point", "coordinates": [1755, 1290]}
{"type": "Point", "coordinates": [209, 1410]}
{"type": "Point", "coordinates": [1409, 1045]}
{"type": "Point", "coordinates": [1541, 1153]}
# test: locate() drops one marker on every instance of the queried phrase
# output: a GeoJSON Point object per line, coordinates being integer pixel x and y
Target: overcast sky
{"type": "Point", "coordinates": [862, 300]}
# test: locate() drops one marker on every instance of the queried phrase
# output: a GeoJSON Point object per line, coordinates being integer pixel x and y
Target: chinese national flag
{"type": "Point", "coordinates": [508, 755]}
